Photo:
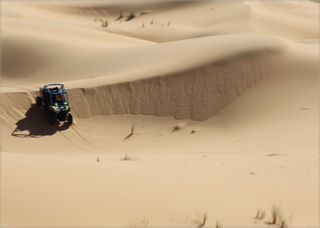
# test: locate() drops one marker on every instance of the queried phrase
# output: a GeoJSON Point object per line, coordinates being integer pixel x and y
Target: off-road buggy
{"type": "Point", "coordinates": [54, 100]}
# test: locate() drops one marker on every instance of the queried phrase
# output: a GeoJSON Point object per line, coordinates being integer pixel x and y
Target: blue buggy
{"type": "Point", "coordinates": [54, 100]}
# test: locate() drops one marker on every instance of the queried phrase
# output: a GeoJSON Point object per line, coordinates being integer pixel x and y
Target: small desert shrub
{"type": "Point", "coordinates": [277, 217]}
{"type": "Point", "coordinates": [260, 214]}
{"type": "Point", "coordinates": [132, 128]}
{"type": "Point", "coordinates": [218, 224]}
{"type": "Point", "coordinates": [283, 222]}
{"type": "Point", "coordinates": [127, 157]}
{"type": "Point", "coordinates": [273, 154]}
{"type": "Point", "coordinates": [131, 16]}
{"type": "Point", "coordinates": [204, 220]}
{"type": "Point", "coordinates": [275, 214]}
{"type": "Point", "coordinates": [143, 223]}
{"type": "Point", "coordinates": [176, 127]}
{"type": "Point", "coordinates": [104, 23]}
{"type": "Point", "coordinates": [120, 16]}
{"type": "Point", "coordinates": [132, 131]}
{"type": "Point", "coordinates": [200, 220]}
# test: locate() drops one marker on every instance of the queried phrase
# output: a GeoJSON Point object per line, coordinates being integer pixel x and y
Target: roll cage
{"type": "Point", "coordinates": [50, 91]}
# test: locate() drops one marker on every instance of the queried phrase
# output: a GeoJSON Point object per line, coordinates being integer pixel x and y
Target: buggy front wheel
{"type": "Point", "coordinates": [70, 118]}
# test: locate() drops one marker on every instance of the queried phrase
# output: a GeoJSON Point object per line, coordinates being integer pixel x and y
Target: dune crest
{"type": "Point", "coordinates": [196, 91]}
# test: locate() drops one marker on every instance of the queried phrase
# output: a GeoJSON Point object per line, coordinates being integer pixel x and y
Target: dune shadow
{"type": "Point", "coordinates": [35, 124]}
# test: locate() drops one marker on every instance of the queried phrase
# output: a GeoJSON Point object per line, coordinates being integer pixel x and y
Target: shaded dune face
{"type": "Point", "coordinates": [197, 94]}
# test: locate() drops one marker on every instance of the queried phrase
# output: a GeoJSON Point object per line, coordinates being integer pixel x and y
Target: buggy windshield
{"type": "Point", "coordinates": [60, 98]}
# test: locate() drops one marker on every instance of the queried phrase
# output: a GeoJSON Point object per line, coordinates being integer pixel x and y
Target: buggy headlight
{"type": "Point", "coordinates": [54, 108]}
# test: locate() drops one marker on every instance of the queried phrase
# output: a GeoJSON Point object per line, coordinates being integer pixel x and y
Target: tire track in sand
{"type": "Point", "coordinates": [72, 136]}
{"type": "Point", "coordinates": [29, 93]}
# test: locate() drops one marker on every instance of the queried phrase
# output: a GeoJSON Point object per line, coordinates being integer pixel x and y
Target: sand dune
{"type": "Point", "coordinates": [238, 80]}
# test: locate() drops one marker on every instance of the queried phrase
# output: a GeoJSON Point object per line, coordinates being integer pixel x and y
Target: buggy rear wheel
{"type": "Point", "coordinates": [39, 101]}
{"type": "Point", "coordinates": [70, 118]}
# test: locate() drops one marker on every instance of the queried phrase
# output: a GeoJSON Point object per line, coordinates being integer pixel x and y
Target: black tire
{"type": "Point", "coordinates": [69, 118]}
{"type": "Point", "coordinates": [51, 119]}
{"type": "Point", "coordinates": [39, 101]}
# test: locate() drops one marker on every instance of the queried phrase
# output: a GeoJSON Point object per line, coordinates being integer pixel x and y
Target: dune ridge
{"type": "Point", "coordinates": [196, 90]}
{"type": "Point", "coordinates": [195, 94]}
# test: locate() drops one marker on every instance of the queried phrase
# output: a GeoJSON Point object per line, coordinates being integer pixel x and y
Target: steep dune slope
{"type": "Point", "coordinates": [193, 88]}
{"type": "Point", "coordinates": [187, 79]}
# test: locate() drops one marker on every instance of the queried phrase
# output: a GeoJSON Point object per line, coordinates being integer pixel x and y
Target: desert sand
{"type": "Point", "coordinates": [222, 98]}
